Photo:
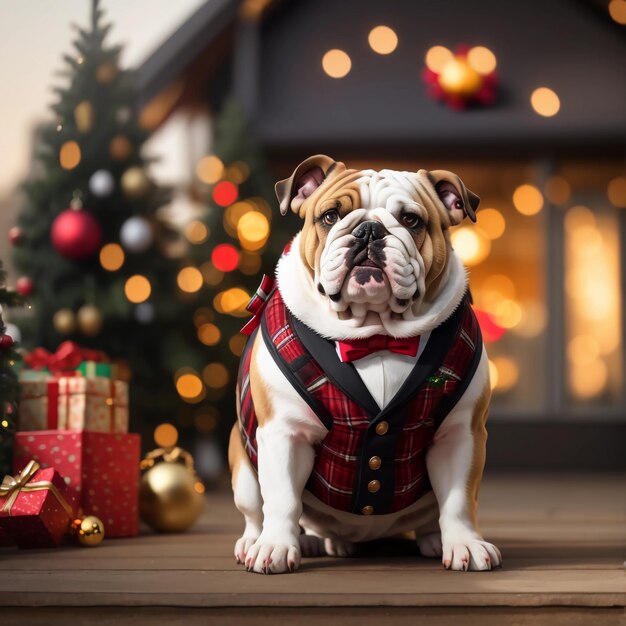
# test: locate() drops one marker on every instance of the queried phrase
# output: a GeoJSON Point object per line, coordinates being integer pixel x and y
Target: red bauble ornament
{"type": "Point", "coordinates": [225, 257]}
{"type": "Point", "coordinates": [24, 286]}
{"type": "Point", "coordinates": [15, 235]}
{"type": "Point", "coordinates": [76, 234]}
{"type": "Point", "coordinates": [6, 341]}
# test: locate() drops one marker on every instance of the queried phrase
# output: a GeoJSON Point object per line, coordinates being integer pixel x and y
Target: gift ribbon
{"type": "Point", "coordinates": [68, 357]}
{"type": "Point", "coordinates": [12, 486]}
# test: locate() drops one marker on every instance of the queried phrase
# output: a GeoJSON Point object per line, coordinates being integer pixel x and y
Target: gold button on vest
{"type": "Point", "coordinates": [367, 510]}
{"type": "Point", "coordinates": [373, 486]}
{"type": "Point", "coordinates": [375, 462]}
{"type": "Point", "coordinates": [382, 428]}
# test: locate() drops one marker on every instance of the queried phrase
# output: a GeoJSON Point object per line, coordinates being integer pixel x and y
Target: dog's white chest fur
{"type": "Point", "coordinates": [384, 372]}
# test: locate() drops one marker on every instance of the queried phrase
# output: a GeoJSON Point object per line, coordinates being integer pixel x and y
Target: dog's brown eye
{"type": "Point", "coordinates": [458, 204]}
{"type": "Point", "coordinates": [410, 220]}
{"type": "Point", "coordinates": [330, 217]}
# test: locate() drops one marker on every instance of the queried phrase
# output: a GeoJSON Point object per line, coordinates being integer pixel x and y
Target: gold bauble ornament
{"type": "Point", "coordinates": [170, 495]}
{"type": "Point", "coordinates": [458, 78]}
{"type": "Point", "coordinates": [89, 320]}
{"type": "Point", "coordinates": [64, 321]}
{"type": "Point", "coordinates": [120, 148]}
{"type": "Point", "coordinates": [89, 530]}
{"type": "Point", "coordinates": [135, 182]}
{"type": "Point", "coordinates": [83, 115]}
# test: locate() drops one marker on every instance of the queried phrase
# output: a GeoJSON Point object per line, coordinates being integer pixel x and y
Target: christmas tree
{"type": "Point", "coordinates": [8, 379]}
{"type": "Point", "coordinates": [90, 247]}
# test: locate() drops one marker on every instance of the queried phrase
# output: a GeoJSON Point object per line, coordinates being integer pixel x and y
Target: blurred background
{"type": "Point", "coordinates": [136, 188]}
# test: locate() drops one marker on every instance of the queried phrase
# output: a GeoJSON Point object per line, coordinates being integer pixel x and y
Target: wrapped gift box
{"type": "Point", "coordinates": [36, 507]}
{"type": "Point", "coordinates": [74, 403]}
{"type": "Point", "coordinates": [100, 469]}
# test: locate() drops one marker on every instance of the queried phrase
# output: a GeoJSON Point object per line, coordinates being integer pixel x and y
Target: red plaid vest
{"type": "Point", "coordinates": [372, 461]}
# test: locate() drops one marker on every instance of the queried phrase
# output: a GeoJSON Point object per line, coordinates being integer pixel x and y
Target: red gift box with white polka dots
{"type": "Point", "coordinates": [100, 469]}
{"type": "Point", "coordinates": [34, 517]}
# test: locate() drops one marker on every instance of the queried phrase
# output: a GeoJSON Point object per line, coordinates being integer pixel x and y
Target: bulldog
{"type": "Point", "coordinates": [363, 393]}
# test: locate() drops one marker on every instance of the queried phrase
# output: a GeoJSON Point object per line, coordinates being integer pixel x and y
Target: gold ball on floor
{"type": "Point", "coordinates": [170, 497]}
{"type": "Point", "coordinates": [89, 530]}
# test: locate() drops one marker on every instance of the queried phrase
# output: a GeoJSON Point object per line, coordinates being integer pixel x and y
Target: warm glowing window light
{"type": "Point", "coordinates": [616, 191]}
{"type": "Point", "coordinates": [209, 334]}
{"type": "Point", "coordinates": [383, 40]}
{"type": "Point", "coordinates": [557, 190]}
{"type": "Point", "coordinates": [528, 200]}
{"type": "Point", "coordinates": [137, 288]}
{"type": "Point", "coordinates": [215, 375]}
{"type": "Point", "coordinates": [491, 222]}
{"type": "Point", "coordinates": [336, 63]}
{"type": "Point", "coordinates": [189, 386]}
{"type": "Point", "coordinates": [470, 245]}
{"type": "Point", "coordinates": [112, 257]}
{"type": "Point", "coordinates": [545, 102]}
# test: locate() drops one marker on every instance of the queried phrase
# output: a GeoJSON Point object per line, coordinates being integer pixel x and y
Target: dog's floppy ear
{"type": "Point", "coordinates": [306, 178]}
{"type": "Point", "coordinates": [455, 197]}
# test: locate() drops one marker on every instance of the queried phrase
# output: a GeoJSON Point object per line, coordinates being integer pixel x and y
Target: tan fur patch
{"type": "Point", "coordinates": [479, 433]}
{"type": "Point", "coordinates": [436, 256]}
{"type": "Point", "coordinates": [236, 453]}
{"type": "Point", "coordinates": [258, 387]}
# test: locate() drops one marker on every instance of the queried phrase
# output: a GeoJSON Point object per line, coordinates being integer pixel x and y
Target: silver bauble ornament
{"type": "Point", "coordinates": [102, 183]}
{"type": "Point", "coordinates": [136, 234]}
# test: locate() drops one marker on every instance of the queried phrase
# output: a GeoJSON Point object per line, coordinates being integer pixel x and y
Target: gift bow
{"type": "Point", "coordinates": [12, 486]}
{"type": "Point", "coordinates": [68, 357]}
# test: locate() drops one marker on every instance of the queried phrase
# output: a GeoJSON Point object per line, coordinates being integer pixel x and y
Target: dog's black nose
{"type": "Point", "coordinates": [369, 230]}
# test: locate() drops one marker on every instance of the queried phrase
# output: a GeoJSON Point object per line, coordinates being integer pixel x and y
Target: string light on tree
{"type": "Point", "coordinates": [137, 289]}
{"type": "Point", "coordinates": [84, 116]}
{"type": "Point", "coordinates": [225, 257]}
{"type": "Point", "coordinates": [112, 257]}
{"type": "Point", "coordinates": [225, 193]}
{"type": "Point", "coordinates": [69, 155]}
{"type": "Point", "coordinates": [120, 148]}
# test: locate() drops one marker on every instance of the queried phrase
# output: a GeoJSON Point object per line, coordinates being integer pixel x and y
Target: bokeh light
{"type": "Point", "coordinates": [528, 200]}
{"type": "Point", "coordinates": [383, 40]}
{"type": "Point", "coordinates": [69, 155]}
{"type": "Point", "coordinates": [588, 380]}
{"type": "Point", "coordinates": [189, 279]}
{"type": "Point", "coordinates": [508, 313]}
{"type": "Point", "coordinates": [196, 232]}
{"type": "Point", "coordinates": [137, 289]}
{"type": "Point", "coordinates": [189, 386]}
{"type": "Point", "coordinates": [437, 57]}
{"type": "Point", "coordinates": [204, 315]}
{"type": "Point", "coordinates": [233, 301]}
{"type": "Point", "coordinates": [225, 193]}
{"type": "Point", "coordinates": [215, 376]}
{"type": "Point", "coordinates": [112, 257]}
{"type": "Point", "coordinates": [470, 245]}
{"type": "Point", "coordinates": [617, 10]}
{"type": "Point", "coordinates": [545, 102]}
{"type": "Point", "coordinates": [253, 229]}
{"type": "Point", "coordinates": [336, 63]}
{"type": "Point", "coordinates": [165, 435]}
{"type": "Point", "coordinates": [237, 343]}
{"type": "Point", "coordinates": [225, 257]}
{"type": "Point", "coordinates": [491, 222]}
{"type": "Point", "coordinates": [120, 148]}
{"type": "Point", "coordinates": [238, 172]}
{"type": "Point", "coordinates": [482, 60]}
{"type": "Point", "coordinates": [209, 169]}
{"type": "Point", "coordinates": [209, 334]}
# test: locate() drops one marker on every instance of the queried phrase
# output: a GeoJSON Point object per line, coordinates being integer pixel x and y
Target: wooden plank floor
{"type": "Point", "coordinates": [563, 539]}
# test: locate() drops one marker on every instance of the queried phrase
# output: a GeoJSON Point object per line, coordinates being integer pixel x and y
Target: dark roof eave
{"type": "Point", "coordinates": [185, 44]}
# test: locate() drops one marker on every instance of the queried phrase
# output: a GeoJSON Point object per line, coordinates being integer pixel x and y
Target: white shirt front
{"type": "Point", "coordinates": [384, 372]}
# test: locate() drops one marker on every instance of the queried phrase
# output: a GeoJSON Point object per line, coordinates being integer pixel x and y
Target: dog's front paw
{"type": "Point", "coordinates": [273, 555]}
{"type": "Point", "coordinates": [469, 553]}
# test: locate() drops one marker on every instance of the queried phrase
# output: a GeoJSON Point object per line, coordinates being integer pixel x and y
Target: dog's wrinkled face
{"type": "Point", "coordinates": [374, 241]}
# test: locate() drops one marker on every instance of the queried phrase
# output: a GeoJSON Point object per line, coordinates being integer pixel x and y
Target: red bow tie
{"type": "Point", "coordinates": [354, 349]}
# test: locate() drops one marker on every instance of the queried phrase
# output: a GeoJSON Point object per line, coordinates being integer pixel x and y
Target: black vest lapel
{"type": "Point", "coordinates": [343, 375]}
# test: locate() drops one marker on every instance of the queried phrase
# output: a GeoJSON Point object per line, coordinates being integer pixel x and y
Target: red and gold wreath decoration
{"type": "Point", "coordinates": [461, 78]}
